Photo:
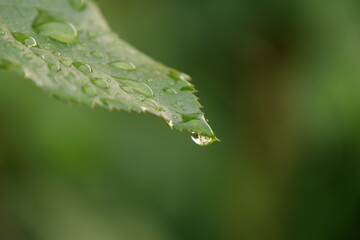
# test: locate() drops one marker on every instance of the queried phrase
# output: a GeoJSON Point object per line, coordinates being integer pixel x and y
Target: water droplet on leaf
{"type": "Point", "coordinates": [97, 53]}
{"type": "Point", "coordinates": [56, 53]}
{"type": "Point", "coordinates": [127, 89]}
{"type": "Point", "coordinates": [25, 39]}
{"type": "Point", "coordinates": [89, 90]}
{"type": "Point", "coordinates": [128, 66]}
{"type": "Point", "coordinates": [65, 62]}
{"type": "Point", "coordinates": [78, 4]}
{"type": "Point", "coordinates": [178, 76]}
{"type": "Point", "coordinates": [54, 67]}
{"type": "Point", "coordinates": [152, 104]}
{"type": "Point", "coordinates": [170, 91]}
{"type": "Point", "coordinates": [99, 82]}
{"type": "Point", "coordinates": [55, 28]}
{"type": "Point", "coordinates": [83, 67]}
{"type": "Point", "coordinates": [137, 86]}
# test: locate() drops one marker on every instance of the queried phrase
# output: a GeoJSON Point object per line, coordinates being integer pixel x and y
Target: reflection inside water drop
{"type": "Point", "coordinates": [201, 139]}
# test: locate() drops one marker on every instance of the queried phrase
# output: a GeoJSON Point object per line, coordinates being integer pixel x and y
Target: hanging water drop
{"type": "Point", "coordinates": [55, 28]}
{"type": "Point", "coordinates": [201, 140]}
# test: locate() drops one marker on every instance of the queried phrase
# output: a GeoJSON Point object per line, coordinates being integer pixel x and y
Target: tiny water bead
{"type": "Point", "coordinates": [201, 140]}
{"type": "Point", "coordinates": [128, 66]}
{"type": "Point", "coordinates": [56, 53]}
{"type": "Point", "coordinates": [169, 91]}
{"type": "Point", "coordinates": [137, 86]}
{"type": "Point", "coordinates": [178, 76]}
{"type": "Point", "coordinates": [97, 53]}
{"type": "Point", "coordinates": [54, 67]}
{"type": "Point", "coordinates": [78, 4]}
{"type": "Point", "coordinates": [55, 28]}
{"type": "Point", "coordinates": [89, 90]}
{"type": "Point", "coordinates": [127, 89]}
{"type": "Point", "coordinates": [152, 104]}
{"type": "Point", "coordinates": [46, 46]}
{"type": "Point", "coordinates": [65, 62]}
{"type": "Point", "coordinates": [25, 39]}
{"type": "Point", "coordinates": [99, 82]}
{"type": "Point", "coordinates": [83, 67]}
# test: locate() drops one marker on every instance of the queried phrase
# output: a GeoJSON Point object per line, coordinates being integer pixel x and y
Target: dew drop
{"type": "Point", "coordinates": [89, 90]}
{"type": "Point", "coordinates": [65, 62]}
{"type": "Point", "coordinates": [97, 53]}
{"type": "Point", "coordinates": [169, 91]}
{"type": "Point", "coordinates": [201, 140]}
{"type": "Point", "coordinates": [46, 46]}
{"type": "Point", "coordinates": [54, 67]}
{"type": "Point", "coordinates": [152, 104]}
{"type": "Point", "coordinates": [128, 66]}
{"type": "Point", "coordinates": [55, 28]}
{"type": "Point", "coordinates": [177, 76]}
{"type": "Point", "coordinates": [56, 53]}
{"type": "Point", "coordinates": [137, 86]}
{"type": "Point", "coordinates": [83, 67]}
{"type": "Point", "coordinates": [99, 83]}
{"type": "Point", "coordinates": [127, 89]}
{"type": "Point", "coordinates": [25, 39]}
{"type": "Point", "coordinates": [78, 4]}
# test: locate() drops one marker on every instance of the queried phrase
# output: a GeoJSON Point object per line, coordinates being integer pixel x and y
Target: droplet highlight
{"type": "Point", "coordinates": [178, 76]}
{"type": "Point", "coordinates": [25, 39]}
{"type": "Point", "coordinates": [83, 67]}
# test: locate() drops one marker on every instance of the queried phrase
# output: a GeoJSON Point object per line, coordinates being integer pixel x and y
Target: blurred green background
{"type": "Point", "coordinates": [280, 81]}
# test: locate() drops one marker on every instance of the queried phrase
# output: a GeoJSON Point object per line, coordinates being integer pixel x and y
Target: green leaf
{"type": "Point", "coordinates": [67, 49]}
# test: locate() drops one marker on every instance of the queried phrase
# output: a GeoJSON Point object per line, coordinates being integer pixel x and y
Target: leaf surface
{"type": "Point", "coordinates": [67, 49]}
